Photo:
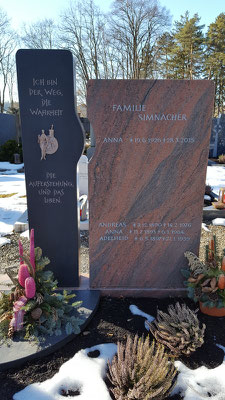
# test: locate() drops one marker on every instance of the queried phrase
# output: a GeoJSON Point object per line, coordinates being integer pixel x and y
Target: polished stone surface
{"type": "Point", "coordinates": [146, 179]}
{"type": "Point", "coordinates": [53, 142]}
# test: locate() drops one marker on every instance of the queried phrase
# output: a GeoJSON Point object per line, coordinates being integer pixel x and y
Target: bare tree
{"type": "Point", "coordinates": [8, 42]}
{"type": "Point", "coordinates": [135, 26]}
{"type": "Point", "coordinates": [84, 32]}
{"type": "Point", "coordinates": [40, 35]}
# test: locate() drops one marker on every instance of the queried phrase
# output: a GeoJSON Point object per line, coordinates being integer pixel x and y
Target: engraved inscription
{"type": "Point", "coordinates": [46, 97]}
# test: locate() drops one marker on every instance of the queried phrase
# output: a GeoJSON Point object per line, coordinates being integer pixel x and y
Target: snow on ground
{"type": "Point", "coordinates": [195, 384]}
{"type": "Point", "coordinates": [80, 373]}
{"type": "Point", "coordinates": [12, 207]}
{"type": "Point", "coordinates": [201, 383]}
{"type": "Point", "coordinates": [215, 177]}
{"type": "Point", "coordinates": [218, 221]}
{"type": "Point", "coordinates": [136, 311]}
{"type": "Point", "coordinates": [10, 168]}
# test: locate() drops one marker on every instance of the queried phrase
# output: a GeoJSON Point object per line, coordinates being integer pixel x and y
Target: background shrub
{"type": "Point", "coordinates": [8, 149]}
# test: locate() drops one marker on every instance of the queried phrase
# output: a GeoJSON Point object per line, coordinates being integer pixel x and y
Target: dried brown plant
{"type": "Point", "coordinates": [141, 370]}
{"type": "Point", "coordinates": [179, 329]}
{"type": "Point", "coordinates": [196, 266]}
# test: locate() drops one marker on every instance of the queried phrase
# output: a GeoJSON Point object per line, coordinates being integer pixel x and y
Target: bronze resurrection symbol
{"type": "Point", "coordinates": [48, 143]}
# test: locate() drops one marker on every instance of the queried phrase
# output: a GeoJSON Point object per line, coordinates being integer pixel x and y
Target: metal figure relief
{"type": "Point", "coordinates": [48, 143]}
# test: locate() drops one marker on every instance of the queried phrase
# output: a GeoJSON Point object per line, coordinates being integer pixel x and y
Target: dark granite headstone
{"type": "Point", "coordinates": [146, 181]}
{"type": "Point", "coordinates": [53, 142]}
{"type": "Point", "coordinates": [7, 128]}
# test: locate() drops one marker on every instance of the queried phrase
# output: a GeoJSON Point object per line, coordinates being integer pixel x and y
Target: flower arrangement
{"type": "Point", "coordinates": [206, 281]}
{"type": "Point", "coordinates": [33, 307]}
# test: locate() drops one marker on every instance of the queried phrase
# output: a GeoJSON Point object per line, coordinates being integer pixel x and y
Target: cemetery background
{"type": "Point", "coordinates": [109, 329]}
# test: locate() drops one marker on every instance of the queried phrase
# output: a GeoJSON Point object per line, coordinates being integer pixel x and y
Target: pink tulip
{"type": "Point", "coordinates": [32, 253]}
{"type": "Point", "coordinates": [23, 274]}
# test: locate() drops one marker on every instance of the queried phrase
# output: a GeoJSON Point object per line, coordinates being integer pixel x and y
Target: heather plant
{"type": "Point", "coordinates": [179, 330]}
{"type": "Point", "coordinates": [141, 370]}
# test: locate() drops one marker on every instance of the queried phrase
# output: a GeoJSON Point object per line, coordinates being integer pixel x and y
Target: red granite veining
{"type": "Point", "coordinates": [146, 179]}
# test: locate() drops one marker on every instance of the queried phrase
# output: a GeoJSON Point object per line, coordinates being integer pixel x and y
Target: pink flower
{"type": "Point", "coordinates": [30, 287]}
{"type": "Point", "coordinates": [18, 314]}
{"type": "Point", "coordinates": [23, 274]}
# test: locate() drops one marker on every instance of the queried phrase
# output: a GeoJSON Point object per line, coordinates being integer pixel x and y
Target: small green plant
{"type": "Point", "coordinates": [141, 371]}
{"type": "Point", "coordinates": [221, 159]}
{"type": "Point", "coordinates": [179, 330]}
{"type": "Point", "coordinates": [8, 149]}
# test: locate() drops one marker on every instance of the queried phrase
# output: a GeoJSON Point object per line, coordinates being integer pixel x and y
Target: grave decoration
{"type": "Point", "coordinates": [206, 281]}
{"type": "Point", "coordinates": [53, 141]}
{"type": "Point", "coordinates": [220, 204]}
{"type": "Point", "coordinates": [34, 307]}
{"type": "Point", "coordinates": [146, 181]}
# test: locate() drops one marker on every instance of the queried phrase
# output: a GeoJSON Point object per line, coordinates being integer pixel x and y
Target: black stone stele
{"type": "Point", "coordinates": [53, 141]}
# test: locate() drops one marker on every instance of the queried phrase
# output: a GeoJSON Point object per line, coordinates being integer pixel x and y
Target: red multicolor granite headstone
{"type": "Point", "coordinates": [147, 180]}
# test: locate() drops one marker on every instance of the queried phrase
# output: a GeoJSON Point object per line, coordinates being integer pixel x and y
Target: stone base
{"type": "Point", "coordinates": [132, 292]}
{"type": "Point", "coordinates": [137, 292]}
{"type": "Point", "coordinates": [19, 352]}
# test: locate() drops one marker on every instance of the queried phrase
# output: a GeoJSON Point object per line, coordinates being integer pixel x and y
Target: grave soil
{"type": "Point", "coordinates": [112, 322]}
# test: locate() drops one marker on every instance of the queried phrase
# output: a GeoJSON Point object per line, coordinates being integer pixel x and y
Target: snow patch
{"type": "Point", "coordinates": [11, 208]}
{"type": "Point", "coordinates": [221, 347]}
{"type": "Point", "coordinates": [200, 383]}
{"type": "Point", "coordinates": [81, 373]}
{"type": "Point", "coordinates": [215, 177]}
{"type": "Point", "coordinates": [26, 234]}
{"type": "Point", "coordinates": [10, 167]}
{"type": "Point", "coordinates": [205, 227]}
{"type": "Point", "coordinates": [218, 221]}
{"type": "Point", "coordinates": [136, 311]}
{"type": "Point", "coordinates": [4, 241]}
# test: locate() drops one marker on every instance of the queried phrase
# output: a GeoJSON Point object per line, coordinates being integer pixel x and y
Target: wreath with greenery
{"type": "Point", "coordinates": [206, 281]}
{"type": "Point", "coordinates": [34, 307]}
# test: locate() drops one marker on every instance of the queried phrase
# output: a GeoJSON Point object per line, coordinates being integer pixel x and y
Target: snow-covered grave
{"type": "Point", "coordinates": [81, 373]}
{"type": "Point", "coordinates": [86, 375]}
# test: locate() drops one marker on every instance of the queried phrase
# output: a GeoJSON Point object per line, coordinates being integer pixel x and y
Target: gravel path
{"type": "Point", "coordinates": [9, 252]}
